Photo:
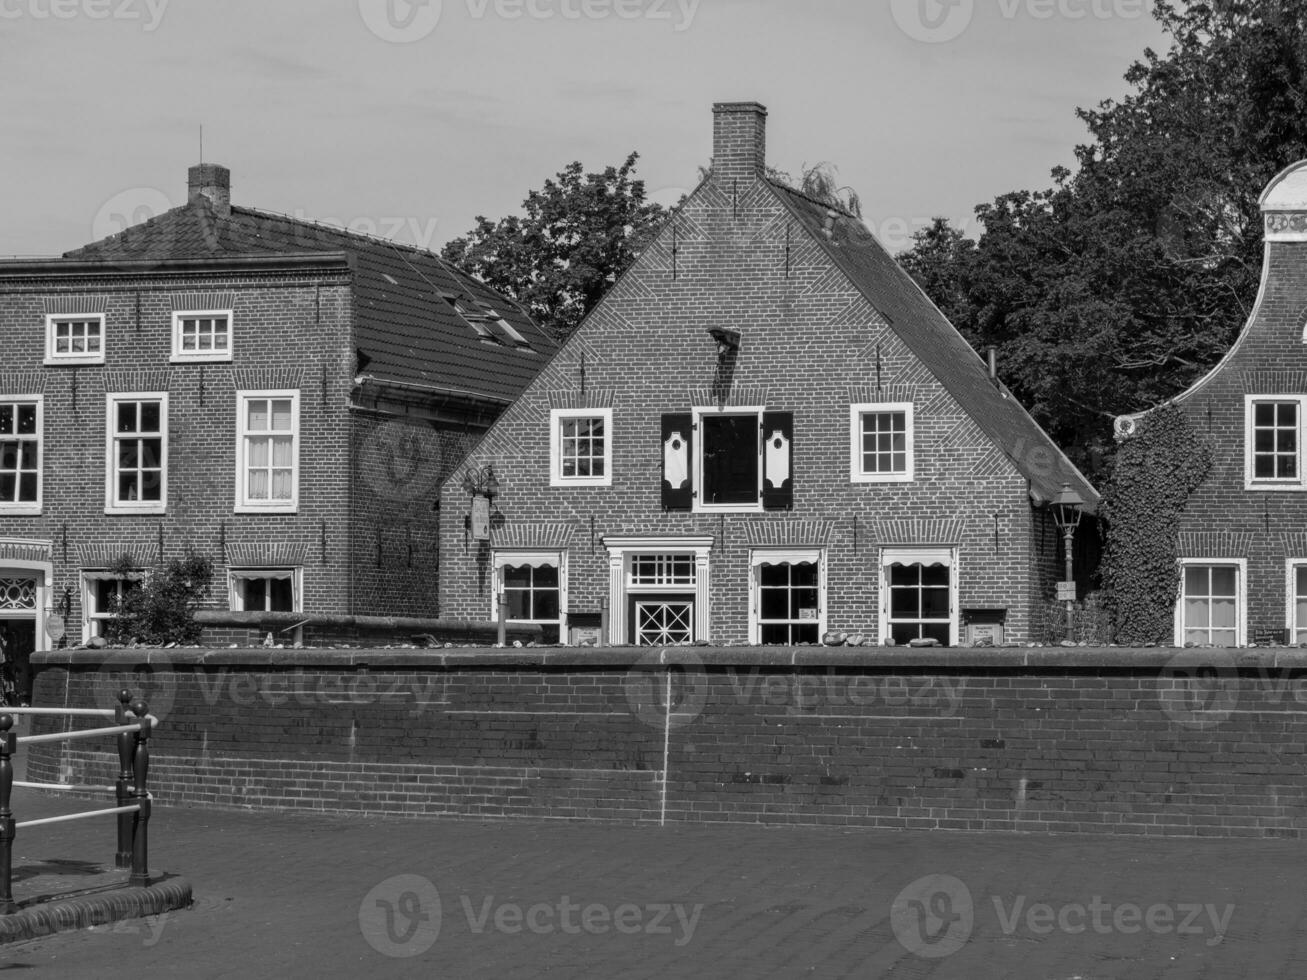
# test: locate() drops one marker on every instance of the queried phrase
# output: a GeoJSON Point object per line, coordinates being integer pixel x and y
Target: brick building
{"type": "Point", "coordinates": [764, 432]}
{"type": "Point", "coordinates": [277, 395]}
{"type": "Point", "coordinates": [1243, 535]}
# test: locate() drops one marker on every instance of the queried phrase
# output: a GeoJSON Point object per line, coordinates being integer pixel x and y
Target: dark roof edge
{"type": "Point", "coordinates": [834, 258]}
{"type": "Point", "coordinates": [463, 394]}
{"type": "Point", "coordinates": [291, 261]}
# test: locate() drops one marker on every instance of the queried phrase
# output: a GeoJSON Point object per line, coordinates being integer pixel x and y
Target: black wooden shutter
{"type": "Point", "coordinates": [678, 462]}
{"type": "Point", "coordinates": [778, 460]}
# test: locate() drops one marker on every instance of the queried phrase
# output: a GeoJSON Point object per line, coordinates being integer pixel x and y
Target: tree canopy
{"type": "Point", "coordinates": [576, 235]}
{"type": "Point", "coordinates": [1118, 286]}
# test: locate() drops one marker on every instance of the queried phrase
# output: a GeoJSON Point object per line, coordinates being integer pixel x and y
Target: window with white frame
{"type": "Point", "coordinates": [788, 597]}
{"type": "Point", "coordinates": [534, 590]}
{"type": "Point", "coordinates": [267, 451]}
{"type": "Point", "coordinates": [204, 335]}
{"type": "Point", "coordinates": [919, 595]}
{"type": "Point", "coordinates": [1209, 611]}
{"type": "Point", "coordinates": [21, 428]}
{"type": "Point", "coordinates": [74, 339]}
{"type": "Point", "coordinates": [264, 589]}
{"type": "Point", "coordinates": [1296, 619]}
{"type": "Point", "coordinates": [136, 465]}
{"type": "Point", "coordinates": [1273, 454]}
{"type": "Point", "coordinates": [102, 596]}
{"type": "Point", "coordinates": [581, 447]}
{"type": "Point", "coordinates": [659, 589]}
{"type": "Point", "coordinates": [880, 442]}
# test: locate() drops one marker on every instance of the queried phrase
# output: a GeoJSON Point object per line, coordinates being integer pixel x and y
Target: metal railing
{"type": "Point", "coordinates": [133, 798]}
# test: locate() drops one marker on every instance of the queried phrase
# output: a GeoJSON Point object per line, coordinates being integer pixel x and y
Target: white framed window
{"type": "Point", "coordinates": [202, 335]}
{"type": "Point", "coordinates": [265, 589]}
{"type": "Point", "coordinates": [880, 442]}
{"type": "Point", "coordinates": [534, 586]}
{"type": "Point", "coordinates": [1295, 578]}
{"type": "Point", "coordinates": [1209, 610]}
{"type": "Point", "coordinates": [581, 447]}
{"type": "Point", "coordinates": [136, 453]}
{"type": "Point", "coordinates": [1273, 453]}
{"type": "Point", "coordinates": [267, 451]}
{"type": "Point", "coordinates": [919, 595]}
{"type": "Point", "coordinates": [788, 603]}
{"type": "Point", "coordinates": [729, 470]}
{"type": "Point", "coordinates": [75, 339]}
{"type": "Point", "coordinates": [22, 426]}
{"type": "Point", "coordinates": [102, 596]}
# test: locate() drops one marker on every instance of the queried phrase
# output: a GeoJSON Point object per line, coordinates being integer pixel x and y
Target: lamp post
{"type": "Point", "coordinates": [1067, 504]}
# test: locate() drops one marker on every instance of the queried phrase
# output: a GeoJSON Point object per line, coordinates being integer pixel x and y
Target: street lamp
{"type": "Point", "coordinates": [1067, 504]}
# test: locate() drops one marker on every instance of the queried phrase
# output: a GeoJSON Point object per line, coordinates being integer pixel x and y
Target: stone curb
{"type": "Point", "coordinates": [95, 910]}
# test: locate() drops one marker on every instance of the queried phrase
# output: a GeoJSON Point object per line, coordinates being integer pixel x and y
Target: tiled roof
{"type": "Point", "coordinates": [406, 324]}
{"type": "Point", "coordinates": [939, 346]}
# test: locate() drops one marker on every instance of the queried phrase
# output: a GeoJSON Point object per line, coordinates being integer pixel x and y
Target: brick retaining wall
{"type": "Point", "coordinates": [1116, 741]}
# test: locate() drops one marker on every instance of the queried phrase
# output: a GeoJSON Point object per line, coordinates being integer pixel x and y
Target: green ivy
{"type": "Point", "coordinates": [1156, 471]}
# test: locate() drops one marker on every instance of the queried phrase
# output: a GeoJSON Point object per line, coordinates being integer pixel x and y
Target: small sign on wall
{"type": "Point", "coordinates": [1066, 591]}
{"type": "Point", "coordinates": [480, 518]}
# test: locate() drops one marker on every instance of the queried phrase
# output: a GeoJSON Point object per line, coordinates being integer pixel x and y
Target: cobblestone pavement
{"type": "Point", "coordinates": [291, 895]}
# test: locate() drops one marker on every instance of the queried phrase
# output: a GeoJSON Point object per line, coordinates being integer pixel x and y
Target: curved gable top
{"type": "Point", "coordinates": [1287, 190]}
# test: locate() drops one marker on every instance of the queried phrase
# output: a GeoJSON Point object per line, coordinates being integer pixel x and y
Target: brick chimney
{"type": "Point", "coordinates": [739, 140]}
{"type": "Point", "coordinates": [213, 181]}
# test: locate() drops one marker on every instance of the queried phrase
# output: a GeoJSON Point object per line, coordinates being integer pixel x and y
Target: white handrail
{"type": "Point", "coordinates": [78, 816]}
{"type": "Point", "coordinates": [83, 733]}
{"type": "Point", "coordinates": [97, 712]}
{"type": "Point", "coordinates": [79, 786]}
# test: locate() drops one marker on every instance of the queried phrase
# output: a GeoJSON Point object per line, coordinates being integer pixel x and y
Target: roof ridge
{"type": "Point", "coordinates": [336, 230]}
{"type": "Point", "coordinates": [813, 200]}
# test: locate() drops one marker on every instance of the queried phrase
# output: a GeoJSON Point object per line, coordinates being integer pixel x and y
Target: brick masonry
{"type": "Point", "coordinates": [1142, 742]}
{"type": "Point", "coordinates": [811, 345]}
{"type": "Point", "coordinates": [1224, 521]}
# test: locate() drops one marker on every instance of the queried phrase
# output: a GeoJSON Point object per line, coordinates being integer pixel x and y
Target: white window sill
{"type": "Point", "coordinates": [32, 510]}
{"type": "Point", "coordinates": [881, 478]}
{"type": "Point", "coordinates": [290, 508]}
{"type": "Point", "coordinates": [73, 361]}
{"type": "Point", "coordinates": [727, 508]}
{"type": "Point", "coordinates": [129, 510]}
{"type": "Point", "coordinates": [1268, 487]}
{"type": "Point", "coordinates": [562, 481]}
{"type": "Point", "coordinates": [222, 358]}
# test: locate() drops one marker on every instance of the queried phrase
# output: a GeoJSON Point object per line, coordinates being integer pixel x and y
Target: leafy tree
{"type": "Point", "coordinates": [161, 609]}
{"type": "Point", "coordinates": [577, 234]}
{"type": "Point", "coordinates": [1120, 285]}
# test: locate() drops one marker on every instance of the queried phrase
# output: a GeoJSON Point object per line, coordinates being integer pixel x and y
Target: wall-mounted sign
{"type": "Point", "coordinates": [480, 518]}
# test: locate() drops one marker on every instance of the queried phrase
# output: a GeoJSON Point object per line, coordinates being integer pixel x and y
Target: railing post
{"type": "Point", "coordinates": [123, 859]}
{"type": "Point", "coordinates": [503, 619]}
{"type": "Point", "coordinates": [8, 745]}
{"type": "Point", "coordinates": [141, 797]}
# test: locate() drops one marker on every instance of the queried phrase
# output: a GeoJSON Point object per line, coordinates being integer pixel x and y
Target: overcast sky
{"type": "Point", "coordinates": [410, 120]}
